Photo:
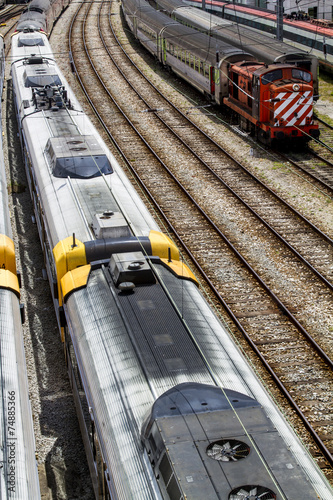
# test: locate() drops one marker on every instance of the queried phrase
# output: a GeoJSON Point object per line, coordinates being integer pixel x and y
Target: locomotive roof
{"type": "Point", "coordinates": [272, 67]}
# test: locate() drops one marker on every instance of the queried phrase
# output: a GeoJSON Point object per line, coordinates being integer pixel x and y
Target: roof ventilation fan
{"type": "Point", "coordinates": [228, 450]}
{"type": "Point", "coordinates": [252, 493]}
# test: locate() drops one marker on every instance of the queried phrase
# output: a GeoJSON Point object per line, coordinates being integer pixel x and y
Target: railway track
{"type": "Point", "coordinates": [11, 11]}
{"type": "Point", "coordinates": [8, 22]}
{"type": "Point", "coordinates": [256, 250]}
{"type": "Point", "coordinates": [316, 160]}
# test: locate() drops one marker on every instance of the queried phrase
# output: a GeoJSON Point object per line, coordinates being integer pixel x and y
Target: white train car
{"type": "Point", "coordinates": [168, 407]}
{"type": "Point", "coordinates": [18, 470]}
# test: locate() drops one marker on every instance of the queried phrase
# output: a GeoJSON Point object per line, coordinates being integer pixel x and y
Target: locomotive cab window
{"type": "Point", "coordinates": [271, 76]}
{"type": "Point", "coordinates": [301, 75]}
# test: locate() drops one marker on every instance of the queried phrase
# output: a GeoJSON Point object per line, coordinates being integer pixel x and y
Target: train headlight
{"type": "Point", "coordinates": [296, 87]}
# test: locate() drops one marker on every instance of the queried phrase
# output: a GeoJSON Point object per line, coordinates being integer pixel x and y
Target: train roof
{"type": "Point", "coordinates": [18, 471]}
{"type": "Point", "coordinates": [200, 44]}
{"type": "Point", "coordinates": [188, 38]}
{"type": "Point", "coordinates": [136, 343]}
{"type": "Point", "coordinates": [156, 20]}
{"type": "Point", "coordinates": [264, 47]}
{"type": "Point", "coordinates": [19, 480]}
{"type": "Point", "coordinates": [36, 5]}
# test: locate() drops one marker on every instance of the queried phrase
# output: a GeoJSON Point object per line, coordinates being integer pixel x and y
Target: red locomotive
{"type": "Point", "coordinates": [273, 102]}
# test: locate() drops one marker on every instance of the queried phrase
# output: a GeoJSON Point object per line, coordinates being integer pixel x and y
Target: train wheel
{"type": "Point", "coordinates": [263, 137]}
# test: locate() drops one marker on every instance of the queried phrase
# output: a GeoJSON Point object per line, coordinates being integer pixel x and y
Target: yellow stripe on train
{"type": "Point", "coordinates": [7, 254]}
{"type": "Point", "coordinates": [69, 254]}
{"type": "Point", "coordinates": [9, 281]}
{"type": "Point", "coordinates": [162, 246]}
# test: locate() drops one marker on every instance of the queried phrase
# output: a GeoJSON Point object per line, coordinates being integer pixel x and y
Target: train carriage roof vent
{"type": "Point", "coordinates": [35, 60]}
{"type": "Point", "coordinates": [110, 225]}
{"type": "Point", "coordinates": [252, 492]}
{"type": "Point", "coordinates": [131, 267]}
{"type": "Point", "coordinates": [78, 157]}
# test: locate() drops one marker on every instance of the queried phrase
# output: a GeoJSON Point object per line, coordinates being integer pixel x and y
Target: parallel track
{"type": "Point", "coordinates": [316, 161]}
{"type": "Point", "coordinates": [255, 295]}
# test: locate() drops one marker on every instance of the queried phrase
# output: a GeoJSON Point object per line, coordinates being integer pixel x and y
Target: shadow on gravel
{"type": "Point", "coordinates": [58, 438]}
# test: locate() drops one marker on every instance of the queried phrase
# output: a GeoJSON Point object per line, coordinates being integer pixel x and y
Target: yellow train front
{"type": "Point", "coordinates": [274, 103]}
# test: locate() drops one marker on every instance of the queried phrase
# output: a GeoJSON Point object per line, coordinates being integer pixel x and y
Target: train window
{"type": "Point", "coordinates": [78, 385]}
{"type": "Point", "coordinates": [33, 9]}
{"type": "Point", "coordinates": [192, 61]}
{"type": "Point", "coordinates": [30, 42]}
{"type": "Point", "coordinates": [81, 167]}
{"type": "Point", "coordinates": [271, 76]}
{"type": "Point", "coordinates": [301, 75]}
{"type": "Point", "coordinates": [98, 464]}
{"type": "Point", "coordinates": [34, 78]}
{"type": "Point", "coordinates": [107, 495]}
{"type": "Point", "coordinates": [165, 469]}
{"type": "Point", "coordinates": [169, 479]}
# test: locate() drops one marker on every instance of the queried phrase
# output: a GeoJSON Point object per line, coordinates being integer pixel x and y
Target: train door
{"type": "Point", "coordinates": [313, 12]}
{"type": "Point", "coordinates": [163, 51]}
{"type": "Point", "coordinates": [256, 96]}
{"type": "Point", "coordinates": [212, 79]}
{"type": "Point", "coordinates": [99, 464]}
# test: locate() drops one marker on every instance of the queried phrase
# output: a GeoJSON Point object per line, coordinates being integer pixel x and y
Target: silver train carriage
{"type": "Point", "coordinates": [190, 54]}
{"type": "Point", "coordinates": [263, 46]}
{"type": "Point", "coordinates": [147, 357]}
{"type": "Point", "coordinates": [41, 15]}
{"type": "Point", "coordinates": [18, 470]}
